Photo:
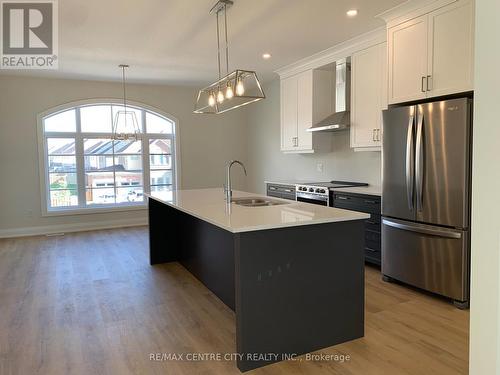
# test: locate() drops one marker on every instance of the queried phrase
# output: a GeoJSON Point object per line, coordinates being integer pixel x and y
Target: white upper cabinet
{"type": "Point", "coordinates": [407, 60]}
{"type": "Point", "coordinates": [306, 98]}
{"type": "Point", "coordinates": [433, 54]}
{"type": "Point", "coordinates": [451, 46]}
{"type": "Point", "coordinates": [368, 97]}
{"type": "Point", "coordinates": [288, 113]}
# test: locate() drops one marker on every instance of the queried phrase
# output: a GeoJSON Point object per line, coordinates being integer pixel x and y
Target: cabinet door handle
{"type": "Point", "coordinates": [370, 201]}
{"type": "Point", "coordinates": [371, 222]}
{"type": "Point", "coordinates": [373, 135]}
{"type": "Point", "coordinates": [342, 198]}
{"type": "Point", "coordinates": [427, 84]}
{"type": "Point", "coordinates": [422, 84]}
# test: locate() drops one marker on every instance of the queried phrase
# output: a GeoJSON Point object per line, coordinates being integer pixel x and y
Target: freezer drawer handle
{"type": "Point", "coordinates": [419, 228]}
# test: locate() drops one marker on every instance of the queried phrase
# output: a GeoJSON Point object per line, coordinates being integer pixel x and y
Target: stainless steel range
{"type": "Point", "coordinates": [319, 192]}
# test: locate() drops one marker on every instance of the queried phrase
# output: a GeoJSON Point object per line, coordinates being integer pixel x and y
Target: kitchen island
{"type": "Point", "coordinates": [292, 272]}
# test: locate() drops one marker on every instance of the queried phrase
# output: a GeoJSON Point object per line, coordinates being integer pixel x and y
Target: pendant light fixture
{"type": "Point", "coordinates": [125, 125]}
{"type": "Point", "coordinates": [235, 89]}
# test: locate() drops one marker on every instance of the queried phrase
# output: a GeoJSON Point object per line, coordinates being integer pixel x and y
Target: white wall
{"type": "Point", "coordinates": [207, 142]}
{"type": "Point", "coordinates": [485, 312]}
{"type": "Point", "coordinates": [266, 161]}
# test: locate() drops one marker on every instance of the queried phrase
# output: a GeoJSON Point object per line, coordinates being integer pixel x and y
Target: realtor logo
{"type": "Point", "coordinates": [28, 34]}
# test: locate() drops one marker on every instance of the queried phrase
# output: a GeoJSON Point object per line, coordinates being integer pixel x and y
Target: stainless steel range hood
{"type": "Point", "coordinates": [340, 120]}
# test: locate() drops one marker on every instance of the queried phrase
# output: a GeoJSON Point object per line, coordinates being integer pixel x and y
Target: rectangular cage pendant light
{"type": "Point", "coordinates": [235, 89]}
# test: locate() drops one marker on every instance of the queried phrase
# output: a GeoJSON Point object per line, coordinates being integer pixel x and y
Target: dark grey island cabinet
{"type": "Point", "coordinates": [293, 273]}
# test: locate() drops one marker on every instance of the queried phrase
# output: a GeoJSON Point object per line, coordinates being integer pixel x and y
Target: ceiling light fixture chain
{"type": "Point", "coordinates": [225, 31]}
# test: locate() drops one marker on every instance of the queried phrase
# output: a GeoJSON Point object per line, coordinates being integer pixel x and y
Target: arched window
{"type": "Point", "coordinates": [84, 169]}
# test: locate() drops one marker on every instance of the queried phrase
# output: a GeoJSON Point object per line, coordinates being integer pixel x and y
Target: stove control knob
{"type": "Point", "coordinates": [322, 191]}
{"type": "Point", "coordinates": [311, 190]}
{"type": "Point", "coordinates": [318, 190]}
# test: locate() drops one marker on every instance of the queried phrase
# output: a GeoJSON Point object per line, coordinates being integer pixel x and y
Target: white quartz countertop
{"type": "Point", "coordinates": [209, 205]}
{"type": "Point", "coordinates": [368, 190]}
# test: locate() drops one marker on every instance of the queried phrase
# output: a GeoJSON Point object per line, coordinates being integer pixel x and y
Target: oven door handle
{"type": "Point", "coordinates": [313, 199]}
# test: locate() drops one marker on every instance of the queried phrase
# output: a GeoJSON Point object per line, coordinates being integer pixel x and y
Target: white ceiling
{"type": "Point", "coordinates": [174, 41]}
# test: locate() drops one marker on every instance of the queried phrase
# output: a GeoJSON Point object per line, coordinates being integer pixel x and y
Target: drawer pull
{"type": "Point", "coordinates": [370, 201]}
{"type": "Point", "coordinates": [371, 222]}
{"type": "Point", "coordinates": [342, 198]}
{"type": "Point", "coordinates": [371, 250]}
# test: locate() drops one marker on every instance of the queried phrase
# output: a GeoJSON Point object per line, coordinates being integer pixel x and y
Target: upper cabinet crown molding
{"type": "Point", "coordinates": [337, 52]}
{"type": "Point", "coordinates": [411, 9]}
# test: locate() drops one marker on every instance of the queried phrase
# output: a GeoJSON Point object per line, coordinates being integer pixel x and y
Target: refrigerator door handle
{"type": "Point", "coordinates": [422, 228]}
{"type": "Point", "coordinates": [410, 162]}
{"type": "Point", "coordinates": [419, 162]}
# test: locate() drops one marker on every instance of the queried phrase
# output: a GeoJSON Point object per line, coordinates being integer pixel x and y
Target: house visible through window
{"type": "Point", "coordinates": [85, 168]}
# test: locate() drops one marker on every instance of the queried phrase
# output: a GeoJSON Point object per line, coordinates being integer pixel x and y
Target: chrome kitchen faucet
{"type": "Point", "coordinates": [228, 193]}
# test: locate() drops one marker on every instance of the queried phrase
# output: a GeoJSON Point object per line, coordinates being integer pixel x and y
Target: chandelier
{"type": "Point", "coordinates": [235, 89]}
{"type": "Point", "coordinates": [125, 125]}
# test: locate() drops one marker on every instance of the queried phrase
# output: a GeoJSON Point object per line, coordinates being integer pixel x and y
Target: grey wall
{"type": "Point", "coordinates": [266, 161]}
{"type": "Point", "coordinates": [207, 142]}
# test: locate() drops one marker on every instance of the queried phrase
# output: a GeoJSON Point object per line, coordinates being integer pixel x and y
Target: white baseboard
{"type": "Point", "coordinates": [68, 228]}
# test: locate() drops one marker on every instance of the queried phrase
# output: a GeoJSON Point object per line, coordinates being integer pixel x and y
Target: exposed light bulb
{"type": "Point", "coordinates": [240, 89]}
{"type": "Point", "coordinates": [211, 99]}
{"type": "Point", "coordinates": [229, 91]}
{"type": "Point", "coordinates": [220, 96]}
{"type": "Point", "coordinates": [266, 56]}
{"type": "Point", "coordinates": [352, 12]}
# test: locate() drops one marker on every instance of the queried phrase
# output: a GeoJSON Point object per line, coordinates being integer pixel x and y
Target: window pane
{"type": "Point", "coordinates": [61, 146]}
{"type": "Point", "coordinates": [99, 179]}
{"type": "Point", "coordinates": [128, 147]}
{"type": "Point", "coordinates": [96, 119]}
{"type": "Point", "coordinates": [61, 122]}
{"type": "Point", "coordinates": [161, 177]}
{"type": "Point", "coordinates": [64, 181]}
{"type": "Point", "coordinates": [97, 146]}
{"type": "Point", "coordinates": [101, 163]}
{"type": "Point", "coordinates": [157, 124]}
{"type": "Point", "coordinates": [137, 112]}
{"type": "Point", "coordinates": [62, 164]}
{"type": "Point", "coordinates": [160, 161]}
{"type": "Point", "coordinates": [128, 179]}
{"type": "Point", "coordinates": [129, 194]}
{"type": "Point", "coordinates": [128, 163]}
{"type": "Point", "coordinates": [63, 198]}
{"type": "Point", "coordinates": [100, 196]}
{"type": "Point", "coordinates": [160, 146]}
{"type": "Point", "coordinates": [163, 192]}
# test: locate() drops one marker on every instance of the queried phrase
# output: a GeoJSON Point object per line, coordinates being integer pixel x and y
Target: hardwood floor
{"type": "Point", "coordinates": [89, 303]}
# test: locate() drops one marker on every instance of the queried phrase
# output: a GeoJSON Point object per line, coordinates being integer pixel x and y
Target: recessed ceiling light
{"type": "Point", "coordinates": [266, 56]}
{"type": "Point", "coordinates": [352, 12]}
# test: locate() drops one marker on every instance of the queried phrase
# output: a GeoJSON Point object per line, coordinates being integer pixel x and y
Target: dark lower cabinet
{"type": "Point", "coordinates": [373, 226]}
{"type": "Point", "coordinates": [281, 191]}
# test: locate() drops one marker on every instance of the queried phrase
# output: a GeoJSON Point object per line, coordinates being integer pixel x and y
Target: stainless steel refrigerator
{"type": "Point", "coordinates": [426, 196]}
